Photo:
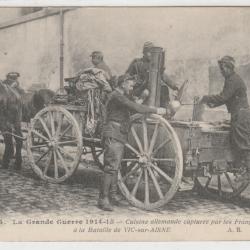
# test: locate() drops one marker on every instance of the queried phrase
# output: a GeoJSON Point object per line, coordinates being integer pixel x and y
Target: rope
{"type": "Point", "coordinates": [90, 123]}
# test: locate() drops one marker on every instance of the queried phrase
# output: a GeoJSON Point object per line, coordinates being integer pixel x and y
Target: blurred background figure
{"type": "Point", "coordinates": [97, 59]}
{"type": "Point", "coordinates": [12, 81]}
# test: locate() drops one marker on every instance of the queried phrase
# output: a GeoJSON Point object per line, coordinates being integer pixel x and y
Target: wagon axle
{"type": "Point", "coordinates": [53, 143]}
{"type": "Point", "coordinates": [144, 159]}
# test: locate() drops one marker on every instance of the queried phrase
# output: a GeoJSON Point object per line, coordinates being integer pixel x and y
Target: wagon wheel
{"type": "Point", "coordinates": [97, 154]}
{"type": "Point", "coordinates": [152, 166]}
{"type": "Point", "coordinates": [54, 144]}
{"type": "Point", "coordinates": [222, 185]}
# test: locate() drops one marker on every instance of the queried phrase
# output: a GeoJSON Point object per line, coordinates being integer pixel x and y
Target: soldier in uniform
{"type": "Point", "coordinates": [12, 81]}
{"type": "Point", "coordinates": [139, 67]}
{"type": "Point", "coordinates": [115, 134]}
{"type": "Point", "coordinates": [234, 96]}
{"type": "Point", "coordinates": [98, 62]}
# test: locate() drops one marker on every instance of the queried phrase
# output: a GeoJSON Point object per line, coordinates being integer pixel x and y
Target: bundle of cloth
{"type": "Point", "coordinates": [92, 78]}
{"type": "Point", "coordinates": [94, 88]}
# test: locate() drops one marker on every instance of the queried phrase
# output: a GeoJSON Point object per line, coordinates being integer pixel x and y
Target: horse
{"type": "Point", "coordinates": [10, 122]}
{"type": "Point", "coordinates": [32, 102]}
{"type": "Point", "coordinates": [24, 107]}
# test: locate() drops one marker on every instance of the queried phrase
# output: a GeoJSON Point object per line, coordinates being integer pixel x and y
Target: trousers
{"type": "Point", "coordinates": [113, 154]}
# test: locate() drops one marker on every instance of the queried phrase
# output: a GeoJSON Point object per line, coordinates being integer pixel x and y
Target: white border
{"type": "Point", "coordinates": [125, 245]}
{"type": "Point", "coordinates": [25, 3]}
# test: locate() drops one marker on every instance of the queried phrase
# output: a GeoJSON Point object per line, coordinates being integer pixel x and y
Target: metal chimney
{"type": "Point", "coordinates": [155, 70]}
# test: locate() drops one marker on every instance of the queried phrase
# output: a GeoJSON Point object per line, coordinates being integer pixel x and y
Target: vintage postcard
{"type": "Point", "coordinates": [124, 123]}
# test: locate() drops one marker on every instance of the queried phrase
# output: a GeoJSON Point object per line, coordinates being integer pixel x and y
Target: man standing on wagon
{"type": "Point", "coordinates": [234, 96]}
{"type": "Point", "coordinates": [139, 67]}
{"type": "Point", "coordinates": [115, 134]}
{"type": "Point", "coordinates": [98, 62]}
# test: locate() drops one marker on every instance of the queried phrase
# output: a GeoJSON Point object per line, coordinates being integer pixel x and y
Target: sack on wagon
{"type": "Point", "coordinates": [93, 87]}
{"type": "Point", "coordinates": [92, 78]}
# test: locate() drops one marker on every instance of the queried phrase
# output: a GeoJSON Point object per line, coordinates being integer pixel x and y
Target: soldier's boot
{"type": "Point", "coordinates": [8, 151]}
{"type": "Point", "coordinates": [18, 156]}
{"type": "Point", "coordinates": [6, 159]}
{"type": "Point", "coordinates": [103, 201]}
{"type": "Point", "coordinates": [114, 198]}
{"type": "Point", "coordinates": [245, 175]}
{"type": "Point", "coordinates": [5, 162]}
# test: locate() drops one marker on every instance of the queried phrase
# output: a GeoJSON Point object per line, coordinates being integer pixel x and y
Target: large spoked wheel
{"type": "Point", "coordinates": [221, 185]}
{"type": "Point", "coordinates": [153, 163]}
{"type": "Point", "coordinates": [54, 144]}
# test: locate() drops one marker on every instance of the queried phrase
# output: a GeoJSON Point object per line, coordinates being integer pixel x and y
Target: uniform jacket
{"type": "Point", "coordinates": [118, 110]}
{"type": "Point", "coordinates": [16, 88]}
{"type": "Point", "coordinates": [233, 95]}
{"type": "Point", "coordinates": [102, 65]}
{"type": "Point", "coordinates": [140, 67]}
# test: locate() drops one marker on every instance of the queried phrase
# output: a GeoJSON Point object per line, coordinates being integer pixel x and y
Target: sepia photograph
{"type": "Point", "coordinates": [124, 123]}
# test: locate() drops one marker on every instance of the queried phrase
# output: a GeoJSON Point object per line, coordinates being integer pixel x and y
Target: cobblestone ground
{"type": "Point", "coordinates": [22, 193]}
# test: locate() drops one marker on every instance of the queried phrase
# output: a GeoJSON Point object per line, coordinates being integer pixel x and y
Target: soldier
{"type": "Point", "coordinates": [234, 96]}
{"type": "Point", "coordinates": [140, 68]}
{"type": "Point", "coordinates": [115, 134]}
{"type": "Point", "coordinates": [11, 80]}
{"type": "Point", "coordinates": [98, 62]}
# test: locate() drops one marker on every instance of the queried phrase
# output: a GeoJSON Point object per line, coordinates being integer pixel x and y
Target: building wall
{"type": "Point", "coordinates": [7, 14]}
{"type": "Point", "coordinates": [32, 50]}
{"type": "Point", "coordinates": [194, 39]}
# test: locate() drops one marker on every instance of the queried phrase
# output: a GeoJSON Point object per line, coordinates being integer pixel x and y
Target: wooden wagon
{"type": "Point", "coordinates": [157, 155]}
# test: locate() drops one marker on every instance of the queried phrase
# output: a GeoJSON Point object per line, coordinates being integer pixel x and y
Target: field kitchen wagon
{"type": "Point", "coordinates": [159, 152]}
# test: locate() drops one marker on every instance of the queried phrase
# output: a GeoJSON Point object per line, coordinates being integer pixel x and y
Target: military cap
{"type": "Point", "coordinates": [97, 54]}
{"type": "Point", "coordinates": [148, 45]}
{"type": "Point", "coordinates": [228, 60]}
{"type": "Point", "coordinates": [123, 78]}
{"type": "Point", "coordinates": [13, 75]}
